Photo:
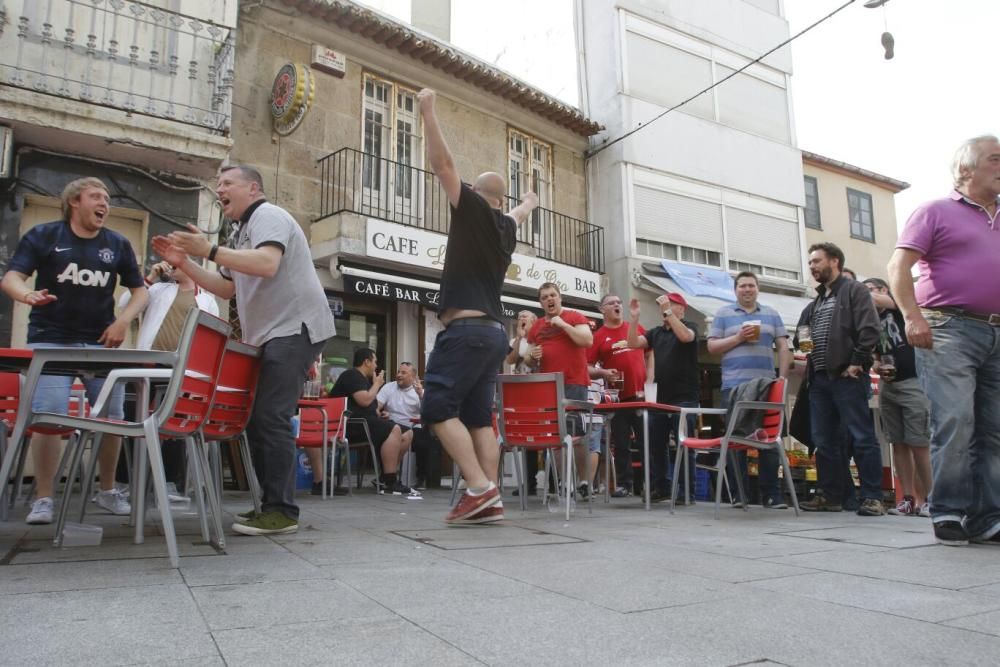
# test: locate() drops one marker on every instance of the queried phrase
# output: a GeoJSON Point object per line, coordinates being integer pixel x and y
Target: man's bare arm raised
{"type": "Point", "coordinates": [490, 184]}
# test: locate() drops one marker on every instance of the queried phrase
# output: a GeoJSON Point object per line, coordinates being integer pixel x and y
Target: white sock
{"type": "Point", "coordinates": [479, 492]}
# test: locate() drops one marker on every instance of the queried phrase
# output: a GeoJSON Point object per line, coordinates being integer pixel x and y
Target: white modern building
{"type": "Point", "coordinates": [712, 187]}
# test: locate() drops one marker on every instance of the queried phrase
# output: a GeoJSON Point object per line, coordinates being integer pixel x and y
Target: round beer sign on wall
{"type": "Point", "coordinates": [291, 96]}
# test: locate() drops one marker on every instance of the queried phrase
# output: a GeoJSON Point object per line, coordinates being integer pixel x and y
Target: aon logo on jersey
{"type": "Point", "coordinates": [85, 277]}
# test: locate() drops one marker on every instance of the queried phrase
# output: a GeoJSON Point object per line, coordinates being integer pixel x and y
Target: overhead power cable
{"type": "Point", "coordinates": [608, 144]}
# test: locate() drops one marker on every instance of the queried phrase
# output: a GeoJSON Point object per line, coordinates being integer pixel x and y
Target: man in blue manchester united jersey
{"type": "Point", "coordinates": [77, 263]}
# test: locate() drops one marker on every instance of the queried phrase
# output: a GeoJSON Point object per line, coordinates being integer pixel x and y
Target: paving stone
{"type": "Point", "coordinates": [111, 626]}
{"type": "Point", "coordinates": [248, 569]}
{"type": "Point", "coordinates": [281, 603]}
{"type": "Point", "coordinates": [988, 623]}
{"type": "Point", "coordinates": [348, 642]}
{"type": "Point", "coordinates": [944, 567]}
{"type": "Point", "coordinates": [892, 597]}
{"type": "Point", "coordinates": [97, 574]}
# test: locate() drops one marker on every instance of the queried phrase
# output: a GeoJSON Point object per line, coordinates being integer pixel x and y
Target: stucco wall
{"type": "Point", "coordinates": [866, 258]}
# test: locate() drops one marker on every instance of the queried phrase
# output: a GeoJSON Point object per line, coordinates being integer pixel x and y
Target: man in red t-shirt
{"type": "Point", "coordinates": [560, 341]}
{"type": "Point", "coordinates": [617, 362]}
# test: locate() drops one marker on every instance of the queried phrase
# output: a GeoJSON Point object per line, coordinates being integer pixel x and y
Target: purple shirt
{"type": "Point", "coordinates": [960, 244]}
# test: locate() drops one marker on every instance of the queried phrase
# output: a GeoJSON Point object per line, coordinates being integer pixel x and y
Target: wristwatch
{"type": "Point", "coordinates": [668, 312]}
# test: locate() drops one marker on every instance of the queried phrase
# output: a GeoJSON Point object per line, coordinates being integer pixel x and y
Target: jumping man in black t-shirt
{"type": "Point", "coordinates": [461, 372]}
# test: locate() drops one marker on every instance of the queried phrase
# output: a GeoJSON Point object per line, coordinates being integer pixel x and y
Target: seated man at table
{"type": "Point", "coordinates": [77, 262]}
{"type": "Point", "coordinates": [400, 402]}
{"type": "Point", "coordinates": [361, 385]}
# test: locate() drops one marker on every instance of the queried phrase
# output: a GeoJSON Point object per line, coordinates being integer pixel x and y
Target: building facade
{"type": "Point", "coordinates": [853, 208]}
{"type": "Point", "coordinates": [136, 94]}
{"type": "Point", "coordinates": [325, 107]}
{"type": "Point", "coordinates": [710, 183]}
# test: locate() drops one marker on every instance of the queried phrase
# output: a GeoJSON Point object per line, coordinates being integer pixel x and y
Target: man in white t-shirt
{"type": "Point", "coordinates": [400, 401]}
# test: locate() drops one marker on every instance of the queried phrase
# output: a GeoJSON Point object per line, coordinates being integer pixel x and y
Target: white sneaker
{"type": "Point", "coordinates": [925, 510]}
{"type": "Point", "coordinates": [173, 495]}
{"type": "Point", "coordinates": [113, 501]}
{"type": "Point", "coordinates": [41, 512]}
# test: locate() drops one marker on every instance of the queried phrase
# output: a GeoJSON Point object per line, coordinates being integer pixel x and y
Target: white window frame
{"type": "Point", "coordinates": [715, 55]}
{"type": "Point", "coordinates": [536, 169]}
{"type": "Point", "coordinates": [400, 183]}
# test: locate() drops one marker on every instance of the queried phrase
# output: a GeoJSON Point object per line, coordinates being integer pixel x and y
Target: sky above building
{"type": "Point", "coordinates": [902, 117]}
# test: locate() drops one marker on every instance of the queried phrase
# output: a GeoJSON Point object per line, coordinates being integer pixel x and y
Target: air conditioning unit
{"type": "Point", "coordinates": [6, 151]}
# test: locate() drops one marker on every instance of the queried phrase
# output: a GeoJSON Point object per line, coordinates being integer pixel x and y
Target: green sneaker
{"type": "Point", "coordinates": [267, 523]}
{"type": "Point", "coordinates": [243, 517]}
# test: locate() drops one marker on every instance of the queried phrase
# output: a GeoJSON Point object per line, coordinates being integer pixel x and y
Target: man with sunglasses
{"type": "Point", "coordinates": [619, 363]}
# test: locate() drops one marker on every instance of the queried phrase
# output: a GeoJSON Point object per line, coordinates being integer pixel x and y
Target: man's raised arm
{"type": "Point", "coordinates": [522, 211]}
{"type": "Point", "coordinates": [442, 164]}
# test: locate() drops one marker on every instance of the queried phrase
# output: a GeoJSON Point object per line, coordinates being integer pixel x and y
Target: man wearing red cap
{"type": "Point", "coordinates": [675, 351]}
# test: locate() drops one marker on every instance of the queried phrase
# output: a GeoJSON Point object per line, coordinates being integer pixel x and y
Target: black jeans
{"type": "Point", "coordinates": [427, 450]}
{"type": "Point", "coordinates": [624, 424]}
{"type": "Point", "coordinates": [661, 426]}
{"type": "Point", "coordinates": [284, 365]}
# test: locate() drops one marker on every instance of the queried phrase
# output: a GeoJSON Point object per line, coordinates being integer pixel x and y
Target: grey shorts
{"type": "Point", "coordinates": [905, 412]}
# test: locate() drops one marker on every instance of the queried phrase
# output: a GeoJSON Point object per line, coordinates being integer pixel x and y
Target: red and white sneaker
{"type": "Point", "coordinates": [469, 505]}
{"type": "Point", "coordinates": [904, 507]}
{"type": "Point", "coordinates": [491, 514]}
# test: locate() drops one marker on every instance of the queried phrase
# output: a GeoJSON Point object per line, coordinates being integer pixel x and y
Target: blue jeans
{"type": "Point", "coordinates": [52, 391]}
{"type": "Point", "coordinates": [767, 466]}
{"type": "Point", "coordinates": [961, 377]}
{"type": "Point", "coordinates": [844, 401]}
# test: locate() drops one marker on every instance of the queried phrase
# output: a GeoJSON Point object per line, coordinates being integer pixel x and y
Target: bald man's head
{"type": "Point", "coordinates": [491, 186]}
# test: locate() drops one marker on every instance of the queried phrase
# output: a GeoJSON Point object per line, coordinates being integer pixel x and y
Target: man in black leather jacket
{"type": "Point", "coordinates": [844, 328]}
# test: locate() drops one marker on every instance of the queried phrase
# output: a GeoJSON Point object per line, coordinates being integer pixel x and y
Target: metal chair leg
{"type": "Point", "coordinates": [212, 491]}
{"type": "Point", "coordinates": [251, 472]}
{"type": "Point", "coordinates": [74, 469]}
{"type": "Point", "coordinates": [87, 483]}
{"type": "Point", "coordinates": [201, 486]}
{"type": "Point", "coordinates": [160, 488]}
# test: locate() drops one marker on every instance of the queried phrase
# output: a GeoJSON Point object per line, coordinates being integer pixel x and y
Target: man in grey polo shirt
{"type": "Point", "coordinates": [282, 309]}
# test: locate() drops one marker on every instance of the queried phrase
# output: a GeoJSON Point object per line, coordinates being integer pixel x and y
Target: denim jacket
{"type": "Point", "coordinates": [854, 329]}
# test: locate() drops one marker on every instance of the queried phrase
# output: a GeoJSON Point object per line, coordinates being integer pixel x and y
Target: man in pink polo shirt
{"type": "Point", "coordinates": [953, 319]}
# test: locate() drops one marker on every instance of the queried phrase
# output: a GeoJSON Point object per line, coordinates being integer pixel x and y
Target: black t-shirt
{"type": "Point", "coordinates": [350, 381]}
{"type": "Point", "coordinates": [892, 340]}
{"type": "Point", "coordinates": [480, 244]}
{"type": "Point", "coordinates": [81, 273]}
{"type": "Point", "coordinates": [676, 371]}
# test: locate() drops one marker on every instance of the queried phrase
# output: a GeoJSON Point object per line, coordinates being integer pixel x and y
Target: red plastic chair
{"type": "Point", "coordinates": [322, 423]}
{"type": "Point", "coordinates": [10, 396]}
{"type": "Point", "coordinates": [181, 413]}
{"type": "Point", "coordinates": [227, 419]}
{"type": "Point", "coordinates": [532, 417]}
{"type": "Point", "coordinates": [769, 436]}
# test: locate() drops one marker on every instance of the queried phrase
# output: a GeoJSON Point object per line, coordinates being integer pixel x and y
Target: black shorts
{"type": "Point", "coordinates": [462, 374]}
{"type": "Point", "coordinates": [379, 428]}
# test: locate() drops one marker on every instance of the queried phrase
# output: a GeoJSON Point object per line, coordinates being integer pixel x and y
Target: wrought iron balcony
{"type": "Point", "coordinates": [356, 182]}
{"type": "Point", "coordinates": [124, 55]}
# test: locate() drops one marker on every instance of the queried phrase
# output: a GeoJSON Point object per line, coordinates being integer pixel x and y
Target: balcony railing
{"type": "Point", "coordinates": [124, 55]}
{"type": "Point", "coordinates": [356, 182]}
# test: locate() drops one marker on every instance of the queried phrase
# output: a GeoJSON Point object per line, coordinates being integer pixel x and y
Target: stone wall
{"type": "Point", "coordinates": [269, 38]}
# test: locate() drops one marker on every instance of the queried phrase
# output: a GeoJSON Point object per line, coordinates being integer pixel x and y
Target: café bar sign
{"type": "Point", "coordinates": [387, 289]}
{"type": "Point", "coordinates": [419, 247]}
